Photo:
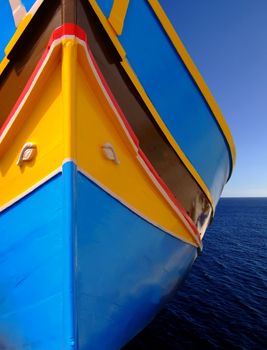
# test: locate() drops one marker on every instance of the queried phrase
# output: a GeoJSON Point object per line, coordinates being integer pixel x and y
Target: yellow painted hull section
{"type": "Point", "coordinates": [67, 115]}
{"type": "Point", "coordinates": [97, 125]}
{"type": "Point", "coordinates": [40, 122]}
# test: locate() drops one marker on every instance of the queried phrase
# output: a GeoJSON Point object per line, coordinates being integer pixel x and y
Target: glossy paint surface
{"type": "Point", "coordinates": [175, 42]}
{"type": "Point", "coordinates": [8, 29]}
{"type": "Point", "coordinates": [35, 293]}
{"type": "Point", "coordinates": [68, 113]}
{"type": "Point", "coordinates": [124, 270]}
{"type": "Point", "coordinates": [218, 178]}
{"type": "Point", "coordinates": [34, 121]}
{"type": "Point", "coordinates": [28, 4]}
{"type": "Point", "coordinates": [127, 180]}
{"type": "Point", "coordinates": [175, 95]}
{"type": "Point", "coordinates": [151, 139]}
{"type": "Point", "coordinates": [127, 269]}
{"type": "Point", "coordinates": [113, 222]}
{"type": "Point", "coordinates": [26, 54]}
{"type": "Point", "coordinates": [106, 6]}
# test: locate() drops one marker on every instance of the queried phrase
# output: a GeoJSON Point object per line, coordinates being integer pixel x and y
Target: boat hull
{"type": "Point", "coordinates": [98, 279]}
{"type": "Point", "coordinates": [111, 165]}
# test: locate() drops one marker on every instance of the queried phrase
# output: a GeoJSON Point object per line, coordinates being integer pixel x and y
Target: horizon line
{"type": "Point", "coordinates": [244, 197]}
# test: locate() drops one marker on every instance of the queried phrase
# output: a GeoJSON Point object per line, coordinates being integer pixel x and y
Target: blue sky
{"type": "Point", "coordinates": [227, 39]}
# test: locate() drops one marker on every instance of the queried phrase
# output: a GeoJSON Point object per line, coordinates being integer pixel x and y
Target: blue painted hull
{"type": "Point", "coordinates": [176, 95]}
{"type": "Point", "coordinates": [85, 270]}
{"type": "Point", "coordinates": [34, 259]}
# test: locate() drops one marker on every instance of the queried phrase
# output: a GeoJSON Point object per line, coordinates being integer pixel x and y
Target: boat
{"type": "Point", "coordinates": [113, 157]}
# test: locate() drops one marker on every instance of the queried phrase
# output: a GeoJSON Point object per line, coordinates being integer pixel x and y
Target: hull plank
{"type": "Point", "coordinates": [171, 90]}
{"type": "Point", "coordinates": [35, 121]}
{"type": "Point", "coordinates": [33, 275]}
{"type": "Point", "coordinates": [112, 261]}
{"type": "Point", "coordinates": [151, 139]}
{"type": "Point", "coordinates": [127, 269]}
{"type": "Point", "coordinates": [8, 29]}
{"type": "Point", "coordinates": [126, 180]}
{"type": "Point", "coordinates": [186, 114]}
{"type": "Point", "coordinates": [29, 3]}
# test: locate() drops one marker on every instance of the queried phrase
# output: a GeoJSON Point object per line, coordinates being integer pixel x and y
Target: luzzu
{"type": "Point", "coordinates": [113, 156]}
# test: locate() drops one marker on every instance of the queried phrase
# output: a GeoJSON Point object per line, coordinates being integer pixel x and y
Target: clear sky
{"type": "Point", "coordinates": [227, 40]}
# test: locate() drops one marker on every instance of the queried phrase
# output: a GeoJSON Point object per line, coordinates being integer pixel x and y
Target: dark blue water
{"type": "Point", "coordinates": [223, 302]}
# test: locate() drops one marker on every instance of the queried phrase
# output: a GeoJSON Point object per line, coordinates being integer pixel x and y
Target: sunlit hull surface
{"type": "Point", "coordinates": [105, 193]}
{"type": "Point", "coordinates": [125, 268]}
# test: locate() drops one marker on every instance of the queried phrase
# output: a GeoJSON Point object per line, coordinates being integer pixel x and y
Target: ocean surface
{"type": "Point", "coordinates": [223, 302]}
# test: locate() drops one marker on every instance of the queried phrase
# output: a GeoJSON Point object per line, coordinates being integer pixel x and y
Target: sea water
{"type": "Point", "coordinates": [223, 302]}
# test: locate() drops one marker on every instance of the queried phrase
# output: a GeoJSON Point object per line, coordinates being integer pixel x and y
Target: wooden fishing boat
{"type": "Point", "coordinates": [113, 156]}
